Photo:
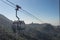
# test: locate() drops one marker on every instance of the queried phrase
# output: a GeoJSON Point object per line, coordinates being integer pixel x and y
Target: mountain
{"type": "Point", "coordinates": [44, 31]}
{"type": "Point", "coordinates": [31, 31]}
{"type": "Point", "coordinates": [5, 22]}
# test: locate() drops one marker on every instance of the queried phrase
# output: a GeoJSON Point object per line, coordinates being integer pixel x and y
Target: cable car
{"type": "Point", "coordinates": [18, 26]}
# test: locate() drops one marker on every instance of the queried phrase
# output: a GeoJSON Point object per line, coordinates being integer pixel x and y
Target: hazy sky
{"type": "Point", "coordinates": [46, 10]}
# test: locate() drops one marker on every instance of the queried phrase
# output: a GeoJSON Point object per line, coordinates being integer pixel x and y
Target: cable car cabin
{"type": "Point", "coordinates": [18, 26]}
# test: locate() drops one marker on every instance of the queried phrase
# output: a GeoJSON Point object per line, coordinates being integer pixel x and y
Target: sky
{"type": "Point", "coordinates": [46, 10]}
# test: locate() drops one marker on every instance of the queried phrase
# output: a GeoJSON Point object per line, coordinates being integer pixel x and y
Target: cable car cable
{"type": "Point", "coordinates": [7, 3]}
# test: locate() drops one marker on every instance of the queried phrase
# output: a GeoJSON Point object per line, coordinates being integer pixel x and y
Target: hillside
{"type": "Point", "coordinates": [33, 31]}
{"type": "Point", "coordinates": [5, 22]}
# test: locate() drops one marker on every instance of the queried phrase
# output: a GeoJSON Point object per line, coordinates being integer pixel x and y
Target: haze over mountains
{"type": "Point", "coordinates": [32, 31]}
